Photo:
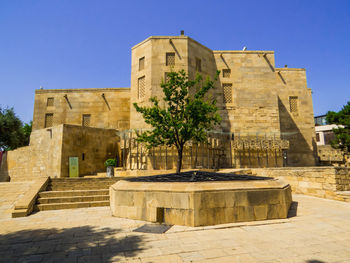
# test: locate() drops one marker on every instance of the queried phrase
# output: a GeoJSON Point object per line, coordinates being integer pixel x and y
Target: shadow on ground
{"type": "Point", "coordinates": [78, 244]}
{"type": "Point", "coordinates": [293, 210]}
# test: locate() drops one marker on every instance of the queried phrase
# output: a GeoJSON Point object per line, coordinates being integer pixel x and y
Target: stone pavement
{"type": "Point", "coordinates": [320, 232]}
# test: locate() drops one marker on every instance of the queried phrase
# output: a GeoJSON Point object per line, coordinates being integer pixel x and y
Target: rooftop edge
{"type": "Point", "coordinates": [39, 91]}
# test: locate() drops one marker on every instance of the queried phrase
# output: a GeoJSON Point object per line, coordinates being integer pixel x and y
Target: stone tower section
{"type": "Point", "coordinates": [296, 115]}
{"type": "Point", "coordinates": [151, 60]}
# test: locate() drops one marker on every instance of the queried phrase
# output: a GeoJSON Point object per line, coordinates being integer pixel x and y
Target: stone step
{"type": "Point", "coordinates": [76, 188]}
{"type": "Point", "coordinates": [83, 183]}
{"type": "Point", "coordinates": [68, 193]}
{"type": "Point", "coordinates": [81, 180]}
{"type": "Point", "coordinates": [72, 199]}
{"type": "Point", "coordinates": [45, 207]}
{"type": "Point", "coordinates": [80, 184]}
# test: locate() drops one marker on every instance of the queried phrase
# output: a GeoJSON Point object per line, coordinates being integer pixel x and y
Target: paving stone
{"type": "Point", "coordinates": [162, 259]}
{"type": "Point", "coordinates": [318, 232]}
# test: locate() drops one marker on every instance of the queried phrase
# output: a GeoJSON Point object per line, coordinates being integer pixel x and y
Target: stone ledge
{"type": "Point", "coordinates": [199, 186]}
{"type": "Point", "coordinates": [26, 204]}
{"type": "Point", "coordinates": [43, 91]}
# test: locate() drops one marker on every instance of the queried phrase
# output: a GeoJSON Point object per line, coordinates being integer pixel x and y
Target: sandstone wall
{"type": "Point", "coordinates": [298, 127]}
{"type": "Point", "coordinates": [258, 103]}
{"type": "Point", "coordinates": [41, 158]}
{"type": "Point", "coordinates": [92, 146]}
{"type": "Point", "coordinates": [329, 155]}
{"type": "Point", "coordinates": [142, 50]}
{"type": "Point", "coordinates": [108, 108]}
{"type": "Point", "coordinates": [49, 151]}
{"type": "Point", "coordinates": [253, 97]}
{"type": "Point", "coordinates": [316, 181]}
{"type": "Point", "coordinates": [253, 101]}
{"type": "Point", "coordinates": [153, 50]}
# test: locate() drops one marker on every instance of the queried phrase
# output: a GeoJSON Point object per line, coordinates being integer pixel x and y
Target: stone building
{"type": "Point", "coordinates": [256, 99]}
{"type": "Point", "coordinates": [267, 111]}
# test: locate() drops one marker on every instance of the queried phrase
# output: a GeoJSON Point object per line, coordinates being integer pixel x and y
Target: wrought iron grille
{"type": "Point", "coordinates": [293, 103]}
{"type": "Point", "coordinates": [170, 59]}
{"type": "Point", "coordinates": [227, 92]}
{"type": "Point", "coordinates": [86, 120]}
{"type": "Point", "coordinates": [141, 87]}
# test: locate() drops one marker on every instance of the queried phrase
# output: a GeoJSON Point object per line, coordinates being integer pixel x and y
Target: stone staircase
{"type": "Point", "coordinates": [66, 193]}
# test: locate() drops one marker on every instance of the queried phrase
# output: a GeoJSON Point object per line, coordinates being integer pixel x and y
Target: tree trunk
{"type": "Point", "coordinates": [179, 159]}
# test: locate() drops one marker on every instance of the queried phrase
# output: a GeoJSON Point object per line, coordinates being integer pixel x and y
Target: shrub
{"type": "Point", "coordinates": [111, 162]}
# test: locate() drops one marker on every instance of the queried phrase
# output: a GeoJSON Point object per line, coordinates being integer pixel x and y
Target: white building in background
{"type": "Point", "coordinates": [324, 135]}
{"type": "Point", "coordinates": [324, 131]}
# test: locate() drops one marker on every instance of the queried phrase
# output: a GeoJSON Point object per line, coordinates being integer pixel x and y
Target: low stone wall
{"type": "Point", "coordinates": [316, 181]}
{"type": "Point", "coordinates": [327, 154]}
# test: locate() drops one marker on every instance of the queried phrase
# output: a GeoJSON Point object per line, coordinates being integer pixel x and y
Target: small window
{"type": "Point", "coordinates": [293, 103]}
{"type": "Point", "coordinates": [48, 120]}
{"type": "Point", "coordinates": [198, 65]}
{"type": "Point", "coordinates": [86, 120]}
{"type": "Point", "coordinates": [170, 59]}
{"type": "Point", "coordinates": [227, 87]}
{"type": "Point", "coordinates": [141, 63]}
{"type": "Point", "coordinates": [141, 87]}
{"type": "Point", "coordinates": [226, 73]}
{"type": "Point", "coordinates": [49, 102]}
{"type": "Point", "coordinates": [317, 137]}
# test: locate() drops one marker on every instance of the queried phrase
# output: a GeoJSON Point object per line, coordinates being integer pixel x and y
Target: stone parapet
{"type": "Point", "coordinates": [322, 182]}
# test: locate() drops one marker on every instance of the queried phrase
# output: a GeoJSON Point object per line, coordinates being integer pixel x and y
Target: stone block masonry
{"type": "Point", "coordinates": [325, 182]}
{"type": "Point", "coordinates": [100, 108]}
{"type": "Point", "coordinates": [200, 203]}
{"type": "Point", "coordinates": [49, 151]}
{"type": "Point", "coordinates": [255, 98]}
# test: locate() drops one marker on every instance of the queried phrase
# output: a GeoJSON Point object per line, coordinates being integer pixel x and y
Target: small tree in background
{"type": "Point", "coordinates": [12, 132]}
{"type": "Point", "coordinates": [27, 130]}
{"type": "Point", "coordinates": [188, 113]}
{"type": "Point", "coordinates": [342, 133]}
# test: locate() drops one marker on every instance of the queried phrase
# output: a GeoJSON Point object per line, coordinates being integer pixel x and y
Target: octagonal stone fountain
{"type": "Point", "coordinates": [199, 198]}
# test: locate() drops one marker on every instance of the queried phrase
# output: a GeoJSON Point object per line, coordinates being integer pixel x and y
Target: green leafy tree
{"type": "Point", "coordinates": [27, 130]}
{"type": "Point", "coordinates": [12, 132]}
{"type": "Point", "coordinates": [188, 113]}
{"type": "Point", "coordinates": [342, 133]}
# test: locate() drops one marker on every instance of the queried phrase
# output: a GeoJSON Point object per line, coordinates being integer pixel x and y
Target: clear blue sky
{"type": "Point", "coordinates": [64, 44]}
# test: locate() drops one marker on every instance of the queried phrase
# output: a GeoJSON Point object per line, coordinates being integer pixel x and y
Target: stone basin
{"type": "Point", "coordinates": [200, 203]}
